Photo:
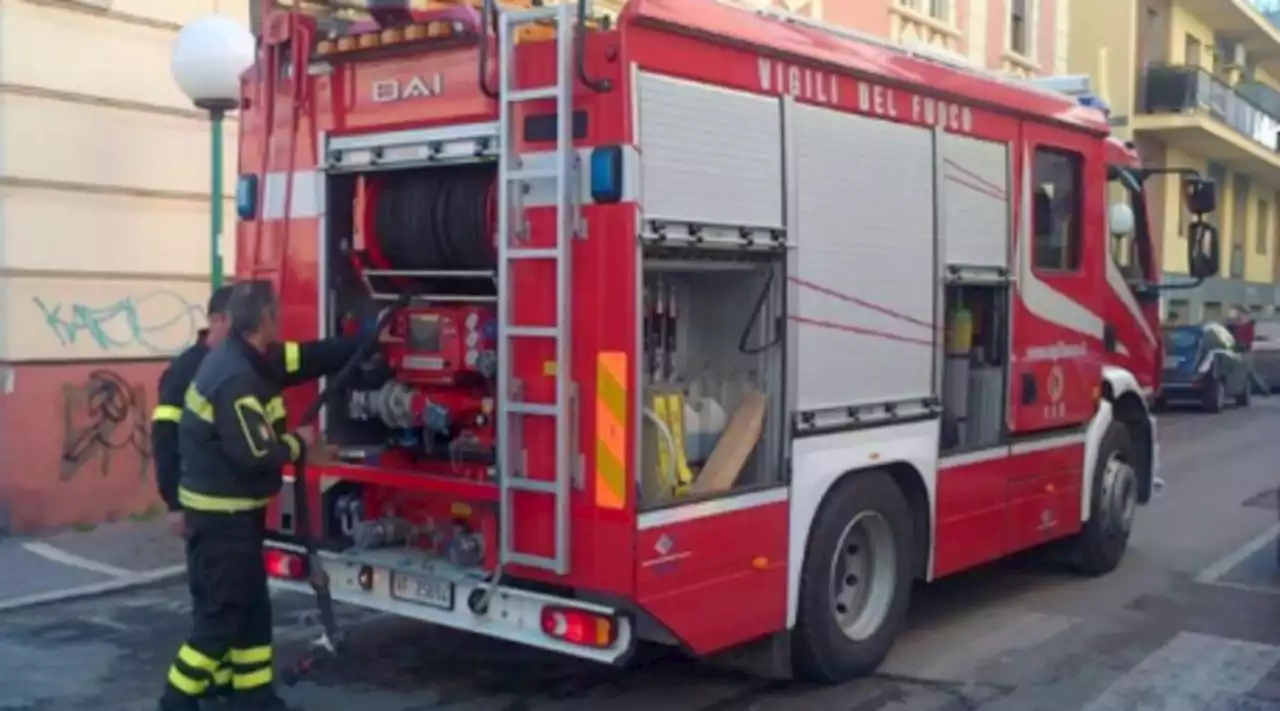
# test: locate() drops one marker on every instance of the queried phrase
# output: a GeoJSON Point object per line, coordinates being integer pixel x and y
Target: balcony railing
{"type": "Point", "coordinates": [1183, 90]}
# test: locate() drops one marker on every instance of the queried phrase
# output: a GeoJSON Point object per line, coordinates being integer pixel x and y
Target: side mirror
{"type": "Point", "coordinates": [1200, 195]}
{"type": "Point", "coordinates": [1120, 219]}
{"type": "Point", "coordinates": [1204, 252]}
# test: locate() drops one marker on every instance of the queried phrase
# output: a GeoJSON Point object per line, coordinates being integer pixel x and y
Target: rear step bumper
{"type": "Point", "coordinates": [513, 615]}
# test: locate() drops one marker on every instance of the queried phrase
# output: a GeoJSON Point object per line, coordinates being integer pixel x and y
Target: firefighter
{"type": "Point", "coordinates": [233, 444]}
{"type": "Point", "coordinates": [173, 384]}
{"type": "Point", "coordinates": [164, 431]}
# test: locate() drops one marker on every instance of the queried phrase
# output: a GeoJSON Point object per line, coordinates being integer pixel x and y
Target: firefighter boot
{"type": "Point", "coordinates": [260, 700]}
{"type": "Point", "coordinates": [173, 700]}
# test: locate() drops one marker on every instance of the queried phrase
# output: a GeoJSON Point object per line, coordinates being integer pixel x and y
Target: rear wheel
{"type": "Point", "coordinates": [1100, 546]}
{"type": "Point", "coordinates": [856, 580]}
{"type": "Point", "coordinates": [1215, 396]}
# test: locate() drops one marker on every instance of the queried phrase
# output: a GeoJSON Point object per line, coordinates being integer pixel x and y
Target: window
{"type": "Point", "coordinates": [1239, 224]}
{"type": "Point", "coordinates": [1056, 210]}
{"type": "Point", "coordinates": [1020, 27]}
{"type": "Point", "coordinates": [937, 9]}
{"type": "Point", "coordinates": [1192, 51]}
{"type": "Point", "coordinates": [1263, 237]}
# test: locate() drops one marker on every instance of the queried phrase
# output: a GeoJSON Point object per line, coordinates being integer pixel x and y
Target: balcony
{"type": "Point", "coordinates": [1249, 22]}
{"type": "Point", "coordinates": [1190, 107]}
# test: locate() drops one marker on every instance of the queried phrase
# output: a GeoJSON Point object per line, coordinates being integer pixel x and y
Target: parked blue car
{"type": "Point", "coordinates": [1203, 366]}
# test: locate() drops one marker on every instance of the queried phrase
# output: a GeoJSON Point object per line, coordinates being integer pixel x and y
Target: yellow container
{"type": "Point", "coordinates": [960, 331]}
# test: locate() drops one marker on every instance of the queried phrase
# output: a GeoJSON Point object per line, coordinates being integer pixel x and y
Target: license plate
{"type": "Point", "coordinates": [1172, 362]}
{"type": "Point", "coordinates": [432, 592]}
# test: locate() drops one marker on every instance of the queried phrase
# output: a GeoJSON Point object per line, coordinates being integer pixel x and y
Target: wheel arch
{"type": "Point", "coordinates": [907, 453]}
{"type": "Point", "coordinates": [1122, 401]}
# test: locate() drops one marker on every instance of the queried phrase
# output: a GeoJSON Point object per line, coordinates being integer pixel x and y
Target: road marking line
{"type": "Point", "coordinates": [1191, 671]}
{"type": "Point", "coordinates": [1223, 565]}
{"type": "Point", "coordinates": [1257, 589]}
{"type": "Point", "coordinates": [117, 584]}
{"type": "Point", "coordinates": [57, 555]}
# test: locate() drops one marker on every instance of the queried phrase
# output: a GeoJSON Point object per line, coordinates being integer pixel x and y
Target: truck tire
{"type": "Point", "coordinates": [856, 580]}
{"type": "Point", "coordinates": [1215, 396]}
{"type": "Point", "coordinates": [1099, 547]}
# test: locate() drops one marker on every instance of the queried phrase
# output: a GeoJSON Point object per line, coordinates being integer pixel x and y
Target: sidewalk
{"type": "Point", "coordinates": [73, 564]}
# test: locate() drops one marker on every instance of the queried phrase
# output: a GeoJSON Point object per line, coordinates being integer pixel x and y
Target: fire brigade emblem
{"type": "Point", "coordinates": [1055, 384]}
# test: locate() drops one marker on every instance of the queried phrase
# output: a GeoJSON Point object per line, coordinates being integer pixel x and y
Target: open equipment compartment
{"type": "Point", "coordinates": [713, 336]}
{"type": "Point", "coordinates": [976, 370]}
{"type": "Point", "coordinates": [714, 254]}
{"type": "Point", "coordinates": [422, 407]}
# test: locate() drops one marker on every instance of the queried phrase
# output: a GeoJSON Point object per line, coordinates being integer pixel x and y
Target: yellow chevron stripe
{"type": "Point", "coordinates": [611, 430]}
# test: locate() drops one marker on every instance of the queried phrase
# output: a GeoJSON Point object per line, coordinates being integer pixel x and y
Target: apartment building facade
{"type": "Point", "coordinates": [1196, 84]}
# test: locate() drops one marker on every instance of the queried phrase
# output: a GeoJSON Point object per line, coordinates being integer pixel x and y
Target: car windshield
{"type": "Point", "coordinates": [1181, 340]}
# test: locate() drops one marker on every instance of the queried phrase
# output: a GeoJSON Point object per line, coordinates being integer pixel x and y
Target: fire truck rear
{"type": "Point", "coordinates": [710, 327]}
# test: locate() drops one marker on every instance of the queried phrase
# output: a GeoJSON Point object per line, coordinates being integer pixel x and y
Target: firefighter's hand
{"type": "Point", "coordinates": [177, 524]}
{"type": "Point", "coordinates": [321, 453]}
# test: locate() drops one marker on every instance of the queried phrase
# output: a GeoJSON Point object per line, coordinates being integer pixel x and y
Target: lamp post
{"type": "Point", "coordinates": [208, 58]}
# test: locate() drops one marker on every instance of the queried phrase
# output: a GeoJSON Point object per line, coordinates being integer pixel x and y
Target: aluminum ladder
{"type": "Point", "coordinates": [513, 178]}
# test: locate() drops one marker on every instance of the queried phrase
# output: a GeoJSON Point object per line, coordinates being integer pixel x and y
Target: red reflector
{"type": "Point", "coordinates": [282, 564]}
{"type": "Point", "coordinates": [579, 627]}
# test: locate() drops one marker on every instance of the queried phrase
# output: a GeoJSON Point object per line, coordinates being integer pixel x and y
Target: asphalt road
{"type": "Point", "coordinates": [1188, 622]}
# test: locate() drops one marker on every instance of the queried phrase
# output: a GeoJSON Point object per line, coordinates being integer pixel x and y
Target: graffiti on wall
{"type": "Point", "coordinates": [157, 322]}
{"type": "Point", "coordinates": [104, 418]}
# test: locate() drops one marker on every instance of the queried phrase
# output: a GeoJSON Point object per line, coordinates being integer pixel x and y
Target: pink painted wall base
{"type": "Point", "coordinates": [75, 445]}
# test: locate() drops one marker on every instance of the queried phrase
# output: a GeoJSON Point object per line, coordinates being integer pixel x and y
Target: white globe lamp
{"type": "Point", "coordinates": [209, 56]}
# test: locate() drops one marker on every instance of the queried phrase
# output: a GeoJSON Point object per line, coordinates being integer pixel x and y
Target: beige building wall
{"type": "Point", "coordinates": [104, 266]}
{"type": "Point", "coordinates": [103, 181]}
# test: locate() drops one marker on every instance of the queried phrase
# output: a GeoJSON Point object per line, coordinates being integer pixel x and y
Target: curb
{"type": "Point", "coordinates": [126, 582]}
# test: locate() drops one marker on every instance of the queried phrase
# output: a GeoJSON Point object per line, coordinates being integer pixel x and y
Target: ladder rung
{"type": "Point", "coordinates": [535, 485]}
{"type": "Point", "coordinates": [542, 92]}
{"type": "Point", "coordinates": [526, 174]}
{"type": "Point", "coordinates": [533, 331]}
{"type": "Point", "coordinates": [531, 408]}
{"type": "Point", "coordinates": [533, 253]}
{"type": "Point", "coordinates": [534, 14]}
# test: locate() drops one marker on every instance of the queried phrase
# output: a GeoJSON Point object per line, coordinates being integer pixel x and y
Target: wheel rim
{"type": "Point", "coordinates": [1119, 494]}
{"type": "Point", "coordinates": [863, 575]}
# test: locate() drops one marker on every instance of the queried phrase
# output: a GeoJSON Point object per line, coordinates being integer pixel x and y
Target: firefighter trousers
{"type": "Point", "coordinates": [230, 640]}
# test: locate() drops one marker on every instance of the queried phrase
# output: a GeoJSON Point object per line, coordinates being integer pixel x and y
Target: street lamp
{"type": "Point", "coordinates": [208, 58]}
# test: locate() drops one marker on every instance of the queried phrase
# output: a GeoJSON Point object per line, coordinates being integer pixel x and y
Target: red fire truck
{"type": "Point", "coordinates": [705, 326]}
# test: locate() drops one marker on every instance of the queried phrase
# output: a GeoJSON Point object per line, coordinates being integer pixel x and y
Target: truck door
{"type": "Point", "coordinates": [1058, 329]}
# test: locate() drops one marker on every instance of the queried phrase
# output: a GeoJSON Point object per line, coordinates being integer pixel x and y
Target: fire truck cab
{"type": "Point", "coordinates": [709, 325]}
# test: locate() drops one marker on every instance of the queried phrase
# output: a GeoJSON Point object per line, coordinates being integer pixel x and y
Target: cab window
{"type": "Point", "coordinates": [1056, 209]}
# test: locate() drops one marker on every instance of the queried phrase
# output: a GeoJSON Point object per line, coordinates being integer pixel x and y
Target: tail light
{"type": "Point", "coordinates": [587, 629]}
{"type": "Point", "coordinates": [283, 564]}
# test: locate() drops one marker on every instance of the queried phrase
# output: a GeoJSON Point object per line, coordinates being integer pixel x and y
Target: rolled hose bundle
{"type": "Point", "coordinates": [438, 219]}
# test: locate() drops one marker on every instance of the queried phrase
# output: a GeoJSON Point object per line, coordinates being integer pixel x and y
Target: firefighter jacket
{"type": "Point", "coordinates": [164, 419]}
{"type": "Point", "coordinates": [231, 436]}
